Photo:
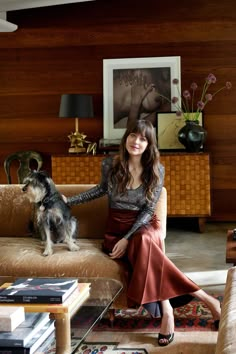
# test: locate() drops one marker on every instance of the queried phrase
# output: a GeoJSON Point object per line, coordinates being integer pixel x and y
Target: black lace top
{"type": "Point", "coordinates": [133, 199]}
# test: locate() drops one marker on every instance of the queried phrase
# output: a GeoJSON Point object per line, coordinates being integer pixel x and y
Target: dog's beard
{"type": "Point", "coordinates": [36, 194]}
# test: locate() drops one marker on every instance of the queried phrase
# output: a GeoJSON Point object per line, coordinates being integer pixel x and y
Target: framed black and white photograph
{"type": "Point", "coordinates": [137, 85]}
{"type": "Point", "coordinates": [168, 126]}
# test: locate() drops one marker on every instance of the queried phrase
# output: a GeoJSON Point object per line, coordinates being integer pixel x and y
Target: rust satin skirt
{"type": "Point", "coordinates": [152, 277]}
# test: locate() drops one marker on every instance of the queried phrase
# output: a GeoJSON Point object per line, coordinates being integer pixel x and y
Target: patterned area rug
{"type": "Point", "coordinates": [194, 316]}
{"type": "Point", "coordinates": [107, 348]}
{"type": "Point", "coordinates": [90, 348]}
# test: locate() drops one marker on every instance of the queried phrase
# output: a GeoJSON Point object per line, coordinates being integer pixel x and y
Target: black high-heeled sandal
{"type": "Point", "coordinates": [168, 337]}
{"type": "Point", "coordinates": [216, 324]}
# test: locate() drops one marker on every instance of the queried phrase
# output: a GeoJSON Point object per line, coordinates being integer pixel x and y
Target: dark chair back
{"type": "Point", "coordinates": [24, 158]}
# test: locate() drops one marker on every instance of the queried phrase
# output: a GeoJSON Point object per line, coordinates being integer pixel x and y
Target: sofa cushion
{"type": "Point", "coordinates": [92, 216]}
{"type": "Point", "coordinates": [15, 211]}
{"type": "Point", "coordinates": [22, 257]}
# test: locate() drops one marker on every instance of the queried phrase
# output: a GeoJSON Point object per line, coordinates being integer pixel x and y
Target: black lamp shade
{"type": "Point", "coordinates": [76, 106]}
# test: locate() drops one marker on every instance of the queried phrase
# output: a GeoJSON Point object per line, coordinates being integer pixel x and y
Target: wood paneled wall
{"type": "Point", "coordinates": [60, 49]}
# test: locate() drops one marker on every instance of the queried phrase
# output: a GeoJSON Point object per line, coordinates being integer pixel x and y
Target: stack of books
{"type": "Point", "coordinates": [29, 333]}
{"type": "Point", "coordinates": [38, 290]}
{"type": "Point", "coordinates": [28, 336]}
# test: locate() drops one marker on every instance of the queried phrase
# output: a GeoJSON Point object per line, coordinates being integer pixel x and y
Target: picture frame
{"type": "Point", "coordinates": [168, 126]}
{"type": "Point", "coordinates": [120, 75]}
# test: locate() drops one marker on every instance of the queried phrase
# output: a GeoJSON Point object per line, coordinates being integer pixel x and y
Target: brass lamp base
{"type": "Point", "coordinates": [77, 150]}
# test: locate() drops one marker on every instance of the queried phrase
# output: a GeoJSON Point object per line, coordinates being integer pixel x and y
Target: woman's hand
{"type": "Point", "coordinates": [119, 249]}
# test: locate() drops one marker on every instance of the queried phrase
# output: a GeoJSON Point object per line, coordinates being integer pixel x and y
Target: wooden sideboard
{"type": "Point", "coordinates": [76, 169]}
{"type": "Point", "coordinates": [187, 180]}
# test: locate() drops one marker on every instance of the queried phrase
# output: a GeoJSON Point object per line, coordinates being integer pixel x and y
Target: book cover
{"type": "Point", "coordinates": [38, 290]}
{"type": "Point", "coordinates": [11, 317]}
{"type": "Point", "coordinates": [36, 341]}
{"type": "Point", "coordinates": [34, 321]}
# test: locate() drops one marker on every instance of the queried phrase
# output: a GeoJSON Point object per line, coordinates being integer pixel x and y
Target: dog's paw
{"type": "Point", "coordinates": [74, 247]}
{"type": "Point", "coordinates": [47, 252]}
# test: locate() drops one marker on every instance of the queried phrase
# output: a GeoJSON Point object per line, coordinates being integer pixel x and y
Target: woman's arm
{"type": "Point", "coordinates": [97, 191]}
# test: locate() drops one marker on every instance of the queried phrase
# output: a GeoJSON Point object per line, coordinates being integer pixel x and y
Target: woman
{"type": "Point", "coordinates": [133, 181]}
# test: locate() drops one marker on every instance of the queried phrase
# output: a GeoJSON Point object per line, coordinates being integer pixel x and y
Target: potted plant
{"type": "Point", "coordinates": [192, 135]}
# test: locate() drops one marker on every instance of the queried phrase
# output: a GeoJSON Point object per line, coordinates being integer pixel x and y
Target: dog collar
{"type": "Point", "coordinates": [43, 204]}
{"type": "Point", "coordinates": [46, 202]}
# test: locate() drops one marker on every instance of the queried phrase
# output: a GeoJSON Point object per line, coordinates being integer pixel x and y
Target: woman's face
{"type": "Point", "coordinates": [136, 144]}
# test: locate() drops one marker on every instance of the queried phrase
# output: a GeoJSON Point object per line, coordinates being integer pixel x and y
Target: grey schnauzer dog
{"type": "Point", "coordinates": [53, 217]}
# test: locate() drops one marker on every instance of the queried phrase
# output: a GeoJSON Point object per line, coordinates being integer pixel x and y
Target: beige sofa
{"type": "Point", "coordinates": [226, 341]}
{"type": "Point", "coordinates": [21, 253]}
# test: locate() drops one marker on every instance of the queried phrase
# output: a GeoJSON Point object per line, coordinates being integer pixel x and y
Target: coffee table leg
{"type": "Point", "coordinates": [62, 330]}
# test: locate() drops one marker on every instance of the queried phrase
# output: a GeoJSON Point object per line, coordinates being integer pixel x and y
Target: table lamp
{"type": "Point", "coordinates": [76, 106]}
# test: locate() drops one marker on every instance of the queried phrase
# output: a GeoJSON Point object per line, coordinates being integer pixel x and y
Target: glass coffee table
{"type": "Point", "coordinates": [89, 311]}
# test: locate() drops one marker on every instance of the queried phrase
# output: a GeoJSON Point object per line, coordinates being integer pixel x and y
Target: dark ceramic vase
{"type": "Point", "coordinates": [192, 136]}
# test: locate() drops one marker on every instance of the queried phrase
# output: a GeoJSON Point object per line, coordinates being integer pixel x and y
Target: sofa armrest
{"type": "Point", "coordinates": [226, 341]}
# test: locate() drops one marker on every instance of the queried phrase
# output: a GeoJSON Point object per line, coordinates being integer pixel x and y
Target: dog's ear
{"type": "Point", "coordinates": [35, 172]}
{"type": "Point", "coordinates": [43, 173]}
{"type": "Point", "coordinates": [41, 176]}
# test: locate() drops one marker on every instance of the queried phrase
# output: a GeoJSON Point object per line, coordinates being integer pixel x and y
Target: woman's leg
{"type": "Point", "coordinates": [212, 303]}
{"type": "Point", "coordinates": [166, 335]}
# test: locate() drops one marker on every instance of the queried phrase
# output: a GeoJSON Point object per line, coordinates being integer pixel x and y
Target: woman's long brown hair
{"type": "Point", "coordinates": [120, 175]}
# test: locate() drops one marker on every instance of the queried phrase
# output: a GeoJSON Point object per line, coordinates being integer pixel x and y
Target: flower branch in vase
{"type": "Point", "coordinates": [186, 105]}
{"type": "Point", "coordinates": [192, 135]}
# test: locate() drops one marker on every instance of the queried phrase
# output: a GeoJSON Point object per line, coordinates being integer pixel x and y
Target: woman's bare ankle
{"type": "Point", "coordinates": [167, 323]}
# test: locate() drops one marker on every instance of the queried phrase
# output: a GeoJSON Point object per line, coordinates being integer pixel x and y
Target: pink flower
{"type": "Point", "coordinates": [200, 105]}
{"type": "Point", "coordinates": [186, 102]}
{"type": "Point", "coordinates": [211, 79]}
{"type": "Point", "coordinates": [194, 86]}
{"type": "Point", "coordinates": [187, 95]}
{"type": "Point", "coordinates": [175, 81]}
{"type": "Point", "coordinates": [208, 97]}
{"type": "Point", "coordinates": [228, 85]}
{"type": "Point", "coordinates": [174, 100]}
